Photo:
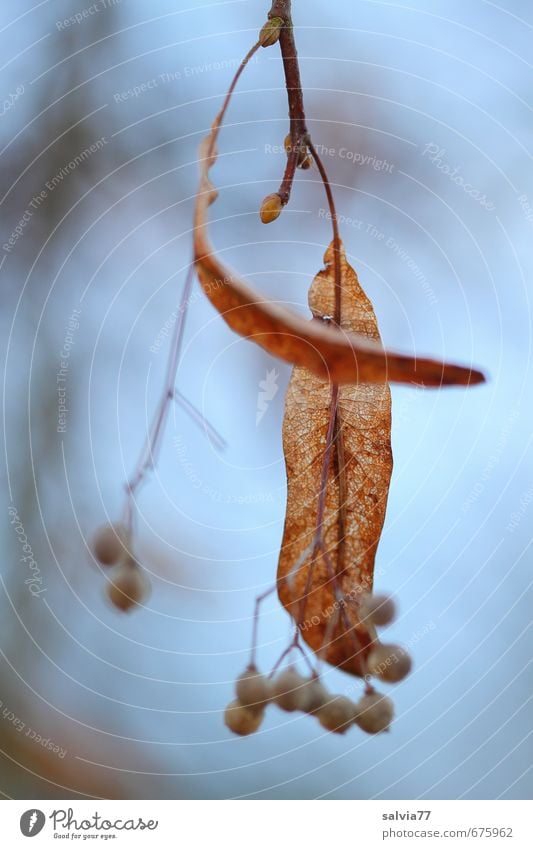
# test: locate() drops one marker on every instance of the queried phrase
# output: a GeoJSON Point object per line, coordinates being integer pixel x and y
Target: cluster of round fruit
{"type": "Point", "coordinates": [128, 584]}
{"type": "Point", "coordinates": [291, 691]}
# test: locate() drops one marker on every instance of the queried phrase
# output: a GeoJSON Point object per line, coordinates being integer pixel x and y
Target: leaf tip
{"type": "Point", "coordinates": [464, 376]}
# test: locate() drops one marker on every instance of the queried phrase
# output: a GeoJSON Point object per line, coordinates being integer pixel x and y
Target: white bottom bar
{"type": "Point", "coordinates": [268, 824]}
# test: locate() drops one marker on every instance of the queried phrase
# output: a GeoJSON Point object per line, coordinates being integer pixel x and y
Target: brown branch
{"type": "Point", "coordinates": [282, 9]}
{"type": "Point", "coordinates": [293, 84]}
{"type": "Point", "coordinates": [300, 137]}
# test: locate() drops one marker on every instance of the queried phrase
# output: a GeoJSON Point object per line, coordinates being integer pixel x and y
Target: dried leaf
{"type": "Point", "coordinates": [342, 357]}
{"type": "Point", "coordinates": [325, 565]}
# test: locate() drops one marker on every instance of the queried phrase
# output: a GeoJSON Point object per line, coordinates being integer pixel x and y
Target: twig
{"type": "Point", "coordinates": [148, 457]}
{"type": "Point", "coordinates": [199, 419]}
{"type": "Point", "coordinates": [298, 127]}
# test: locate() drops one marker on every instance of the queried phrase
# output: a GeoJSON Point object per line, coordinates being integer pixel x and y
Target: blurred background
{"type": "Point", "coordinates": [423, 117]}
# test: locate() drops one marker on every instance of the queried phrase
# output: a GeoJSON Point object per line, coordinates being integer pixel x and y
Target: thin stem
{"type": "Point", "coordinates": [293, 645]}
{"type": "Point", "coordinates": [335, 227]}
{"type": "Point", "coordinates": [221, 114]}
{"type": "Point", "coordinates": [324, 476]}
{"type": "Point", "coordinates": [148, 457]}
{"type": "Point", "coordinates": [326, 462]}
{"type": "Point", "coordinates": [343, 488]}
{"type": "Point", "coordinates": [300, 648]}
{"type": "Point", "coordinates": [199, 419]}
{"type": "Point", "coordinates": [331, 624]}
{"type": "Point", "coordinates": [340, 599]}
{"type": "Point", "coordinates": [258, 602]}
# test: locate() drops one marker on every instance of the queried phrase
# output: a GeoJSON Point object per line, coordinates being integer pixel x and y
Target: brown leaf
{"type": "Point", "coordinates": [342, 357]}
{"type": "Point", "coordinates": [325, 563]}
